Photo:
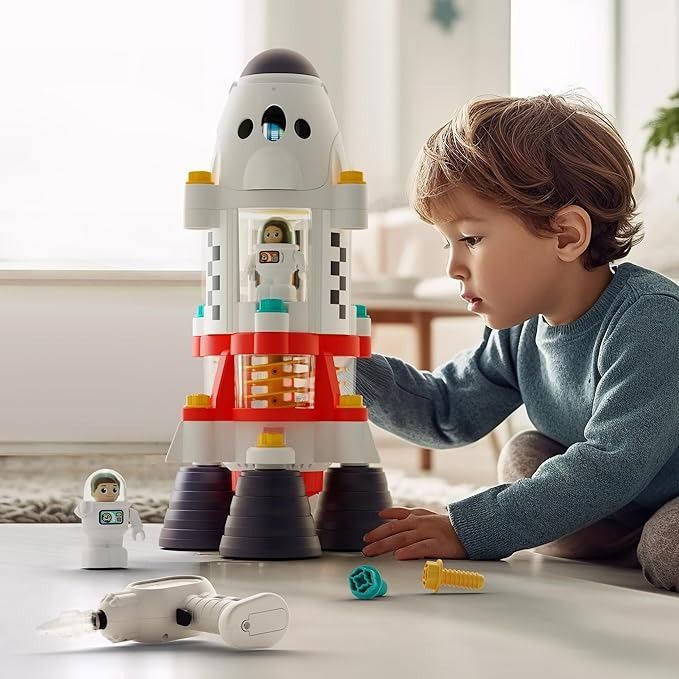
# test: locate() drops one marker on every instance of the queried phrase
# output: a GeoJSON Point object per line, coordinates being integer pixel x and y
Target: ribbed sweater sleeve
{"type": "Point", "coordinates": [457, 403]}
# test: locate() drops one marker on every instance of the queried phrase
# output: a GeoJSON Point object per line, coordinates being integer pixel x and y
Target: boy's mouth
{"type": "Point", "coordinates": [473, 302]}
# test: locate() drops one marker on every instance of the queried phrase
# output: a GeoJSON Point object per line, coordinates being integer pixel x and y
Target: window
{"type": "Point", "coordinates": [105, 108]}
{"type": "Point", "coordinates": [557, 46]}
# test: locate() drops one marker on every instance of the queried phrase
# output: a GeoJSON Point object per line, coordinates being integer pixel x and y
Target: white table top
{"type": "Point", "coordinates": [384, 302]}
{"type": "Point", "coordinates": [536, 617]}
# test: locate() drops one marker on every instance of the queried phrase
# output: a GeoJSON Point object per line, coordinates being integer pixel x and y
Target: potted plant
{"type": "Point", "coordinates": [664, 128]}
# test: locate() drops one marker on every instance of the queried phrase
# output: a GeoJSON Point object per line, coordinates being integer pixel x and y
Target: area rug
{"type": "Point", "coordinates": [46, 489]}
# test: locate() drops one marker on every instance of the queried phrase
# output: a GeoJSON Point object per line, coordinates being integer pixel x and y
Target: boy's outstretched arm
{"type": "Point", "coordinates": [456, 404]}
{"type": "Point", "coordinates": [632, 434]}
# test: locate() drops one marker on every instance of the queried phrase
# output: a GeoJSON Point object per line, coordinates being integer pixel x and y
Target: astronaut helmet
{"type": "Point", "coordinates": [275, 230]}
{"type": "Point", "coordinates": [105, 485]}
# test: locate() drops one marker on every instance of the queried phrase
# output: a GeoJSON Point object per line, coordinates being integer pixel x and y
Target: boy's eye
{"type": "Point", "coordinates": [471, 240]}
{"type": "Point", "coordinates": [446, 245]}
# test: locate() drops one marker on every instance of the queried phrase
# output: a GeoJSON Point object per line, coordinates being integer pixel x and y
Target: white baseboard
{"type": "Point", "coordinates": [83, 448]}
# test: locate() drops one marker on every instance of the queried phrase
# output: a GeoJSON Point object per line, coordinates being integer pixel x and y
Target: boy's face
{"type": "Point", "coordinates": [497, 259]}
{"type": "Point", "coordinates": [106, 492]}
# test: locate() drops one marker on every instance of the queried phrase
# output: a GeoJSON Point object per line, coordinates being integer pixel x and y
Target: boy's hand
{"type": "Point", "coordinates": [414, 534]}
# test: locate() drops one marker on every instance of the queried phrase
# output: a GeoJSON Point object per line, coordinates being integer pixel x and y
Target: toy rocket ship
{"type": "Point", "coordinates": [278, 207]}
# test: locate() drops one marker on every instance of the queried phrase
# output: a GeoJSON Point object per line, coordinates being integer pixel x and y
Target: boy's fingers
{"type": "Point", "coordinates": [395, 513]}
{"type": "Point", "coordinates": [403, 512]}
{"type": "Point", "coordinates": [429, 548]}
{"type": "Point", "coordinates": [421, 511]}
{"type": "Point", "coordinates": [387, 529]}
{"type": "Point", "coordinates": [391, 543]}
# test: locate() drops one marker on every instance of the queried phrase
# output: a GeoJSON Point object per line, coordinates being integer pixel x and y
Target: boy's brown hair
{"type": "Point", "coordinates": [532, 156]}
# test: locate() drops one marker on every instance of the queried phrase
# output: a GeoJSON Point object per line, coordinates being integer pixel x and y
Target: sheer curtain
{"type": "Point", "coordinates": [105, 107]}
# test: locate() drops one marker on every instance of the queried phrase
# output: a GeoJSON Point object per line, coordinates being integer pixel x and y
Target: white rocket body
{"type": "Point", "coordinates": [297, 176]}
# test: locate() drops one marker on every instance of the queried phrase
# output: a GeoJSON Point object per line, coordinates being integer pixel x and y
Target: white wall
{"type": "Point", "coordinates": [95, 361]}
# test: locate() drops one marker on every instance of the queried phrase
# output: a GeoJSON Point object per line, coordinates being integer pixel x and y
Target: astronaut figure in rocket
{"type": "Point", "coordinates": [105, 517]}
{"type": "Point", "coordinates": [276, 262]}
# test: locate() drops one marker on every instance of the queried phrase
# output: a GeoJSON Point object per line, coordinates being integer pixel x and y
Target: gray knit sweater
{"type": "Point", "coordinates": [606, 386]}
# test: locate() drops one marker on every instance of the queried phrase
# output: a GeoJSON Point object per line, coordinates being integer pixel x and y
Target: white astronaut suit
{"type": "Point", "coordinates": [106, 517]}
{"type": "Point", "coordinates": [276, 263]}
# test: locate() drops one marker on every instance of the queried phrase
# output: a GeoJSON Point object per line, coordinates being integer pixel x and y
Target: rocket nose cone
{"type": "Point", "coordinates": [279, 61]}
{"type": "Point", "coordinates": [272, 168]}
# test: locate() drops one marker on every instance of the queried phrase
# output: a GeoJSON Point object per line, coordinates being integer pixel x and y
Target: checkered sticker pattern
{"type": "Point", "coordinates": [338, 272]}
{"type": "Point", "coordinates": [213, 280]}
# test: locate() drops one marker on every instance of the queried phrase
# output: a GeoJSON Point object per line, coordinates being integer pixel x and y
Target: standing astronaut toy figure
{"type": "Point", "coordinates": [277, 262]}
{"type": "Point", "coordinates": [106, 516]}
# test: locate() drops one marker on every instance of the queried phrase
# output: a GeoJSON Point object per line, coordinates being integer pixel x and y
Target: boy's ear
{"type": "Point", "coordinates": [574, 232]}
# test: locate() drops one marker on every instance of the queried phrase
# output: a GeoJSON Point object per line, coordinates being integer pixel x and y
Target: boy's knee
{"type": "Point", "coordinates": [524, 453]}
{"type": "Point", "coordinates": [658, 550]}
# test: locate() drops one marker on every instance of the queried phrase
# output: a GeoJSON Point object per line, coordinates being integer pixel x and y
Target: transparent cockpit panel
{"type": "Point", "coordinates": [274, 381]}
{"type": "Point", "coordinates": [274, 253]}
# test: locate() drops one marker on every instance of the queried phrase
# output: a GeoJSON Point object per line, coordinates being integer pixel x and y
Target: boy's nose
{"type": "Point", "coordinates": [456, 270]}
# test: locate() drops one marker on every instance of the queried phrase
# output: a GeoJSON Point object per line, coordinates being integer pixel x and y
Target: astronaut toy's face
{"type": "Point", "coordinates": [106, 492]}
{"type": "Point", "coordinates": [272, 234]}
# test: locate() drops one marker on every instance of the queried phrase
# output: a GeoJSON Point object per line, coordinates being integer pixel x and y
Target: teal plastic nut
{"type": "Point", "coordinates": [272, 304]}
{"type": "Point", "coordinates": [365, 582]}
{"type": "Point", "coordinates": [361, 311]}
{"type": "Point", "coordinates": [200, 311]}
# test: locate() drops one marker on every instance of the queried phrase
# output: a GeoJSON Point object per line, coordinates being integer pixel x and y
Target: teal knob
{"type": "Point", "coordinates": [272, 305]}
{"type": "Point", "coordinates": [200, 311]}
{"type": "Point", "coordinates": [365, 582]}
{"type": "Point", "coordinates": [361, 311]}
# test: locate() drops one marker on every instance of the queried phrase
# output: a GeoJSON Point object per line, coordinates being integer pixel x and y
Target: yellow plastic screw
{"type": "Point", "coordinates": [434, 575]}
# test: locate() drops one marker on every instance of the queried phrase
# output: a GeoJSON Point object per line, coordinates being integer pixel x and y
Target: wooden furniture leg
{"type": "Point", "coordinates": [422, 322]}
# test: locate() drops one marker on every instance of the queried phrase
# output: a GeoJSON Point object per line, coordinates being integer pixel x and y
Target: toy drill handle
{"type": "Point", "coordinates": [206, 610]}
{"type": "Point", "coordinates": [257, 621]}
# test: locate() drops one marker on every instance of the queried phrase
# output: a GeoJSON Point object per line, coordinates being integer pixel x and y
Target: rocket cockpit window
{"type": "Point", "coordinates": [273, 123]}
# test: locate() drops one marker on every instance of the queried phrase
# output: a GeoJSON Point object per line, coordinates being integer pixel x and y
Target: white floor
{"type": "Point", "coordinates": [537, 617]}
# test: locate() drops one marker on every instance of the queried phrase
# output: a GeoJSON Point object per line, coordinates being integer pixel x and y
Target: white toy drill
{"type": "Point", "coordinates": [176, 607]}
{"type": "Point", "coordinates": [106, 516]}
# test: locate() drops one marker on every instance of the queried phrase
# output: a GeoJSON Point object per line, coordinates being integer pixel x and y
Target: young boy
{"type": "Point", "coordinates": [533, 197]}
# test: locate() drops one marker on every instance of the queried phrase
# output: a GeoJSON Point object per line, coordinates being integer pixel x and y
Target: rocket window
{"type": "Point", "coordinates": [302, 128]}
{"type": "Point", "coordinates": [245, 128]}
{"type": "Point", "coordinates": [273, 123]}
